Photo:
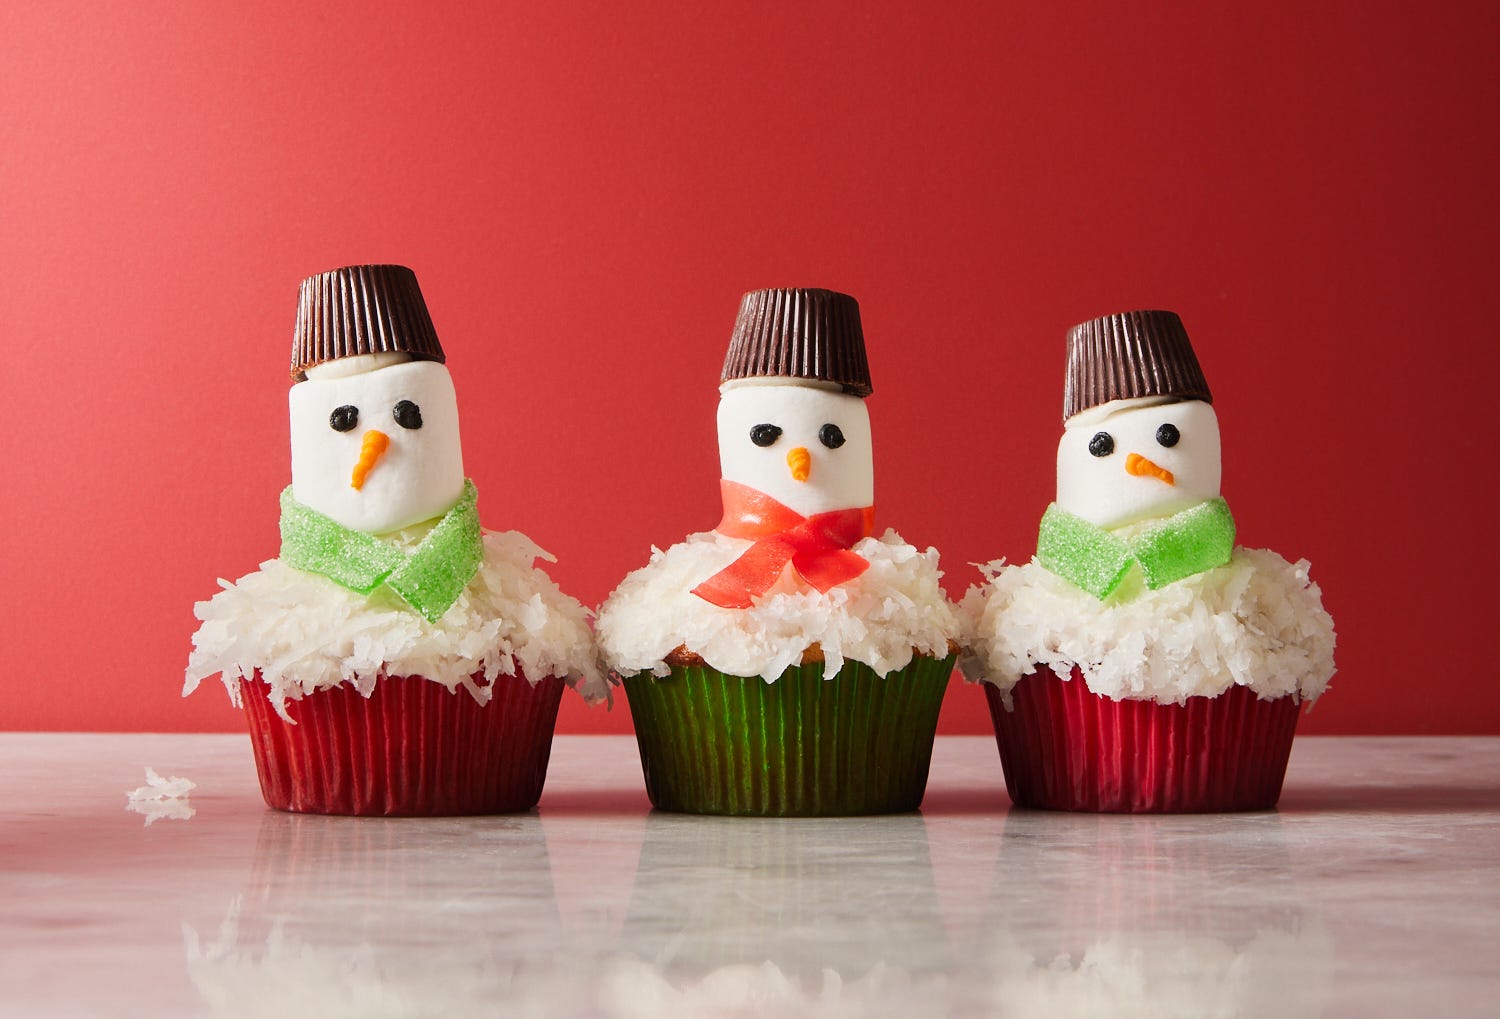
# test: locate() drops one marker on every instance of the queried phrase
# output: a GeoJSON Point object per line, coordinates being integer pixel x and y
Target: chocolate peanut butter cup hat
{"type": "Point", "coordinates": [1135, 354]}
{"type": "Point", "coordinates": [361, 309]}
{"type": "Point", "coordinates": [799, 333]}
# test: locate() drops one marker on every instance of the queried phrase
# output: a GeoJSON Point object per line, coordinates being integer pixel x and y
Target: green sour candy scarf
{"type": "Point", "coordinates": [429, 578]}
{"type": "Point", "coordinates": [1187, 543]}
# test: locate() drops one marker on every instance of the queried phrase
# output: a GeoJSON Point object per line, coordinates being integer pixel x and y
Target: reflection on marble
{"type": "Point", "coordinates": [1373, 891]}
{"type": "Point", "coordinates": [1153, 915]}
{"type": "Point", "coordinates": [820, 916]}
{"type": "Point", "coordinates": [352, 917]}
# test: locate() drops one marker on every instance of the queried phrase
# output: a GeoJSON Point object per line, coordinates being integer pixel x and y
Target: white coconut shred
{"type": "Point", "coordinates": [1257, 621]}
{"type": "Point", "coordinates": [304, 633]}
{"type": "Point", "coordinates": [893, 609]}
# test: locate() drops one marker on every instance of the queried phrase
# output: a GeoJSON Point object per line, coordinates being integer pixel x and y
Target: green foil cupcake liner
{"type": "Point", "coordinates": [803, 746]}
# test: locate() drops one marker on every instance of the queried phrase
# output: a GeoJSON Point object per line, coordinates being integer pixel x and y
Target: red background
{"type": "Point", "coordinates": [585, 190]}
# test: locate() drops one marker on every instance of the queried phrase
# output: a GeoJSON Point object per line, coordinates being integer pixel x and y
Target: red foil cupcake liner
{"type": "Point", "coordinates": [1064, 747]}
{"type": "Point", "coordinates": [413, 748]}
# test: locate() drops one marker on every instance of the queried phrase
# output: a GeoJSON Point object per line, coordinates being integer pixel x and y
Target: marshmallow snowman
{"type": "Point", "coordinates": [1131, 460]}
{"type": "Point", "coordinates": [796, 470]}
{"type": "Point", "coordinates": [804, 443]}
{"type": "Point", "coordinates": [1140, 438]}
{"type": "Point", "coordinates": [375, 443]}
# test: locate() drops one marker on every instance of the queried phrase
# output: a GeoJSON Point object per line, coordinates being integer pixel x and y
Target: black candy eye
{"type": "Point", "coordinates": [1102, 444]}
{"type": "Point", "coordinates": [343, 418]}
{"type": "Point", "coordinates": [765, 435]}
{"type": "Point", "coordinates": [408, 414]}
{"type": "Point", "coordinates": [1167, 435]}
{"type": "Point", "coordinates": [831, 435]}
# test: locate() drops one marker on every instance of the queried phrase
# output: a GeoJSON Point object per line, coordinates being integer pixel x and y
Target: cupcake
{"type": "Point", "coordinates": [788, 662]}
{"type": "Point", "coordinates": [395, 658]}
{"type": "Point", "coordinates": [1141, 662]}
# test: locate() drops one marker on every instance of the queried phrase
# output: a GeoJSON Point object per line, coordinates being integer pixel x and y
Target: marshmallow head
{"type": "Point", "coordinates": [805, 445]}
{"type": "Point", "coordinates": [377, 450]}
{"type": "Point", "coordinates": [1127, 461]}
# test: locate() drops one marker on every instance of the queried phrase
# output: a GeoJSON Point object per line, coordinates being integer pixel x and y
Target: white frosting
{"type": "Point", "coordinates": [1102, 491]}
{"type": "Point", "coordinates": [421, 474]}
{"type": "Point", "coordinates": [878, 618]}
{"type": "Point", "coordinates": [304, 632]}
{"type": "Point", "coordinates": [1257, 621]}
{"type": "Point", "coordinates": [355, 364]}
{"type": "Point", "coordinates": [841, 478]}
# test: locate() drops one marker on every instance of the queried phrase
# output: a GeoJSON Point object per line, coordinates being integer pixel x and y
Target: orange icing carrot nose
{"type": "Point", "coordinates": [371, 449]}
{"type": "Point", "coordinates": [800, 461]}
{"type": "Point", "coordinates": [1141, 467]}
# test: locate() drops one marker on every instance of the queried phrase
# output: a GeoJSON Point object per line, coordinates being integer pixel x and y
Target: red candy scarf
{"type": "Point", "coordinates": [816, 546]}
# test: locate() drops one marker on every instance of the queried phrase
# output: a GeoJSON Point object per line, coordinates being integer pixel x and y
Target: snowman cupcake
{"type": "Point", "coordinates": [395, 659]}
{"type": "Point", "coordinates": [1141, 662]}
{"type": "Point", "coordinates": [787, 662]}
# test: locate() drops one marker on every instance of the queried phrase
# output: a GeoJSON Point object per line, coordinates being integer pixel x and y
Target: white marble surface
{"type": "Point", "coordinates": [1373, 891]}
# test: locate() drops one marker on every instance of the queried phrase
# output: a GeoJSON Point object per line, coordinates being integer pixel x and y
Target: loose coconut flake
{"type": "Point", "coordinates": [162, 798]}
{"type": "Point", "coordinates": [880, 618]}
{"type": "Point", "coordinates": [304, 633]}
{"type": "Point", "coordinates": [1257, 621]}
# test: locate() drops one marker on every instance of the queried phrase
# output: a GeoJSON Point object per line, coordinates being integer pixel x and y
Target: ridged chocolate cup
{"type": "Point", "coordinates": [1064, 747]}
{"type": "Point", "coordinates": [413, 748]}
{"type": "Point", "coordinates": [803, 746]}
{"type": "Point", "coordinates": [799, 333]}
{"type": "Point", "coordinates": [362, 309]}
{"type": "Point", "coordinates": [1131, 355]}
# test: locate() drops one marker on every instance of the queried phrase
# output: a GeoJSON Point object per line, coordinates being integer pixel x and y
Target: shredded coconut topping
{"type": "Point", "coordinates": [162, 798]}
{"type": "Point", "coordinates": [304, 633]}
{"type": "Point", "coordinates": [892, 610]}
{"type": "Point", "coordinates": [1256, 621]}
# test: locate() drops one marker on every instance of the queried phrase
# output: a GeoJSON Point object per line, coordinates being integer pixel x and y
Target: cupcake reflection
{"type": "Point", "coordinates": [794, 917]}
{"type": "Point", "coordinates": [1152, 917]}
{"type": "Point", "coordinates": [379, 917]}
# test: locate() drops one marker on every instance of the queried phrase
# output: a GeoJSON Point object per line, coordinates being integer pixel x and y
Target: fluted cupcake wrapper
{"type": "Point", "coordinates": [803, 746]}
{"type": "Point", "coordinates": [1064, 747]}
{"type": "Point", "coordinates": [413, 748]}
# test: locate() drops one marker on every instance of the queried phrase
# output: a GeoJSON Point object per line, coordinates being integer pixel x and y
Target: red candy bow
{"type": "Point", "coordinates": [816, 546]}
